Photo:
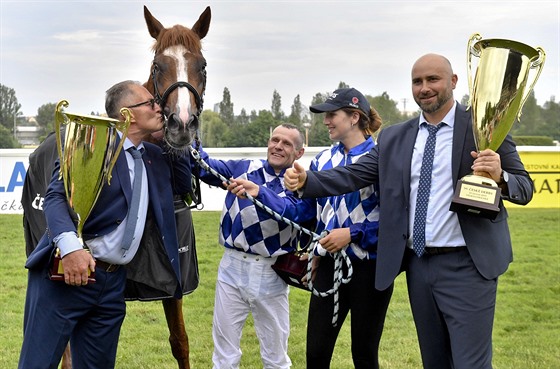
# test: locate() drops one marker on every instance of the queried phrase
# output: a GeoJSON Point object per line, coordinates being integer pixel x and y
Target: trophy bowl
{"type": "Point", "coordinates": [87, 156]}
{"type": "Point", "coordinates": [500, 89]}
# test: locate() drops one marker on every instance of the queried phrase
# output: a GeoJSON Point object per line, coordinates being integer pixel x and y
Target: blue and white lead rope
{"type": "Point", "coordinates": [339, 258]}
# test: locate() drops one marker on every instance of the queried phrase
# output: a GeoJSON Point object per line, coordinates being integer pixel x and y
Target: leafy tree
{"type": "Point", "coordinates": [257, 133]}
{"type": "Point", "coordinates": [386, 108]}
{"type": "Point", "coordinates": [318, 132]}
{"type": "Point", "coordinates": [253, 115]}
{"type": "Point", "coordinates": [551, 118]}
{"type": "Point", "coordinates": [298, 112]}
{"type": "Point", "coordinates": [531, 122]}
{"type": "Point", "coordinates": [465, 100]}
{"type": "Point", "coordinates": [276, 107]}
{"type": "Point", "coordinates": [226, 109]}
{"type": "Point", "coordinates": [342, 85]}
{"type": "Point", "coordinates": [7, 140]}
{"type": "Point", "coordinates": [45, 117]}
{"type": "Point", "coordinates": [9, 107]}
{"type": "Point", "coordinates": [213, 130]}
{"type": "Point", "coordinates": [242, 119]}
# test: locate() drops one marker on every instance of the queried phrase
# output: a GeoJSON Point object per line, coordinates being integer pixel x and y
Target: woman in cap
{"type": "Point", "coordinates": [352, 223]}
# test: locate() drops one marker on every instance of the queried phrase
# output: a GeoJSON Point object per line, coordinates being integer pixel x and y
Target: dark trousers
{"type": "Point", "coordinates": [89, 316]}
{"type": "Point", "coordinates": [368, 307]}
{"type": "Point", "coordinates": [453, 308]}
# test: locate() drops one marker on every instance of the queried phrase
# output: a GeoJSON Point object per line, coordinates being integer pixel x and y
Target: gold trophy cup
{"type": "Point", "coordinates": [87, 157]}
{"type": "Point", "coordinates": [497, 96]}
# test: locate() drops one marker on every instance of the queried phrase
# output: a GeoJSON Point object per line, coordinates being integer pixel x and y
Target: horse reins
{"type": "Point", "coordinates": [340, 257]}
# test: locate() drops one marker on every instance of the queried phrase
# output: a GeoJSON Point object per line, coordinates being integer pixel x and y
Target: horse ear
{"type": "Point", "coordinates": [203, 23]}
{"type": "Point", "coordinates": [154, 26]}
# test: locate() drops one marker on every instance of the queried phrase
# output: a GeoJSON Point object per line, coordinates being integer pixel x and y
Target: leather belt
{"type": "Point", "coordinates": [109, 268]}
{"type": "Point", "coordinates": [443, 250]}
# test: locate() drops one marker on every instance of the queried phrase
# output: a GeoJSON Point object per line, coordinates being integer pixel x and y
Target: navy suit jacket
{"type": "Point", "coordinates": [388, 164]}
{"type": "Point", "coordinates": [165, 177]}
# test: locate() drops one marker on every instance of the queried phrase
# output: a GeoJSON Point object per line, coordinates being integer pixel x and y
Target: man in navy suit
{"type": "Point", "coordinates": [91, 315]}
{"type": "Point", "coordinates": [452, 284]}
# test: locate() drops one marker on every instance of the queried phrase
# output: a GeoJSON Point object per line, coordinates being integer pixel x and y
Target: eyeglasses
{"type": "Point", "coordinates": [152, 103]}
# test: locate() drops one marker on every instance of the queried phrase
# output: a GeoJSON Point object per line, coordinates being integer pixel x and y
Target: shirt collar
{"type": "Point", "coordinates": [128, 144]}
{"type": "Point", "coordinates": [270, 170]}
{"type": "Point", "coordinates": [358, 149]}
{"type": "Point", "coordinates": [449, 118]}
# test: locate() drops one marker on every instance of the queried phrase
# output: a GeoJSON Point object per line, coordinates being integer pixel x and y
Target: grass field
{"type": "Point", "coordinates": [526, 330]}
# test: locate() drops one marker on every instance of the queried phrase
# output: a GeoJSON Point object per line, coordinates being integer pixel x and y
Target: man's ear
{"type": "Point", "coordinates": [300, 153]}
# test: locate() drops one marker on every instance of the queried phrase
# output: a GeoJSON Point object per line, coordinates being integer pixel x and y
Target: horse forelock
{"type": "Point", "coordinates": [177, 35]}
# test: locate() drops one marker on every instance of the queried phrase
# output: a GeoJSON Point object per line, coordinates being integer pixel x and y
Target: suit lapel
{"type": "Point", "coordinates": [121, 172]}
{"type": "Point", "coordinates": [462, 130]}
{"type": "Point", "coordinates": [154, 196]}
{"type": "Point", "coordinates": [409, 138]}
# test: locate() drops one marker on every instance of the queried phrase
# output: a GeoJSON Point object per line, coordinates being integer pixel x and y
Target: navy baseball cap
{"type": "Point", "coordinates": [343, 98]}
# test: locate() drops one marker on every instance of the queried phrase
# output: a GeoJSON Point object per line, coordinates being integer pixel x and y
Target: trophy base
{"type": "Point", "coordinates": [56, 272]}
{"type": "Point", "coordinates": [476, 195]}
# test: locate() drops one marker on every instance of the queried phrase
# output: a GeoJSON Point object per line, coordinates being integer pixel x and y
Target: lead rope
{"type": "Point", "coordinates": [339, 258]}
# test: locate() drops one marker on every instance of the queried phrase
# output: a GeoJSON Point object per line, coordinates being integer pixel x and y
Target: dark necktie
{"type": "Point", "coordinates": [423, 195]}
{"type": "Point", "coordinates": [135, 203]}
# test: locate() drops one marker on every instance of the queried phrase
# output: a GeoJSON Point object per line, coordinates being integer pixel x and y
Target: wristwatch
{"type": "Point", "coordinates": [504, 178]}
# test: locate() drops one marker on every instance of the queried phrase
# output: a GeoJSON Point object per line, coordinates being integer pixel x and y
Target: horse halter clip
{"type": "Point", "coordinates": [162, 99]}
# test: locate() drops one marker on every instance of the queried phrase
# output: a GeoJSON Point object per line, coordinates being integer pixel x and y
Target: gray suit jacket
{"type": "Point", "coordinates": [388, 164]}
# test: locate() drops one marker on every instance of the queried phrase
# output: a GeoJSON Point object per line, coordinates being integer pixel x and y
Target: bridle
{"type": "Point", "coordinates": [162, 99]}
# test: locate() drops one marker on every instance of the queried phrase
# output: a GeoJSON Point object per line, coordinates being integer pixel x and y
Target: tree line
{"type": "Point", "coordinates": [225, 129]}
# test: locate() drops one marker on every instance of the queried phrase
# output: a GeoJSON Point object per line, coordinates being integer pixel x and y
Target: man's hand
{"type": "Point", "coordinates": [295, 177]}
{"type": "Point", "coordinates": [76, 265]}
{"type": "Point", "coordinates": [239, 187]}
{"type": "Point", "coordinates": [487, 164]}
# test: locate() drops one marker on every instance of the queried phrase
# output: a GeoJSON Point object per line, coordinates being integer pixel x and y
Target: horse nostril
{"type": "Point", "coordinates": [173, 122]}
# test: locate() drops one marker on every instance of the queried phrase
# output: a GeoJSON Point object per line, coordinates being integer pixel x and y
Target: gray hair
{"type": "Point", "coordinates": [115, 97]}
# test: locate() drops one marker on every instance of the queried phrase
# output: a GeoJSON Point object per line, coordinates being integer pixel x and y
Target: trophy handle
{"type": "Point", "coordinates": [470, 52]}
{"type": "Point", "coordinates": [535, 63]}
{"type": "Point", "coordinates": [123, 127]}
{"type": "Point", "coordinates": [59, 119]}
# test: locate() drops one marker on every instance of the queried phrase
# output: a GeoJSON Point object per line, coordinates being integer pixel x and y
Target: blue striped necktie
{"type": "Point", "coordinates": [132, 216]}
{"type": "Point", "coordinates": [423, 195]}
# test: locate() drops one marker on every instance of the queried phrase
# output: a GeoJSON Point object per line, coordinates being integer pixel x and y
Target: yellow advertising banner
{"type": "Point", "coordinates": [543, 164]}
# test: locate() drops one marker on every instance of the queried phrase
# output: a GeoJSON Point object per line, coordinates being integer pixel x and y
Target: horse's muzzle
{"type": "Point", "coordinates": [178, 134]}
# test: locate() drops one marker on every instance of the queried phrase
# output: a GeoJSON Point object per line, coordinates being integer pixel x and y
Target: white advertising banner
{"type": "Point", "coordinates": [14, 163]}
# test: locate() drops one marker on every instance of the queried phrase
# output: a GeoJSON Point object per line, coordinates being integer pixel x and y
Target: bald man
{"type": "Point", "coordinates": [452, 276]}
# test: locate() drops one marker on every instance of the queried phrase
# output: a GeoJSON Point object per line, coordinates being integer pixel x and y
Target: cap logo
{"type": "Point", "coordinates": [333, 96]}
{"type": "Point", "coordinates": [355, 100]}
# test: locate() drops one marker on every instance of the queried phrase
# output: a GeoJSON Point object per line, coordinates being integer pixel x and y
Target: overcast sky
{"type": "Point", "coordinates": [75, 50]}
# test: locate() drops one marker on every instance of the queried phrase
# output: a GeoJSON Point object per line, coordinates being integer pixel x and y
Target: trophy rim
{"type": "Point", "coordinates": [73, 117]}
{"type": "Point", "coordinates": [520, 47]}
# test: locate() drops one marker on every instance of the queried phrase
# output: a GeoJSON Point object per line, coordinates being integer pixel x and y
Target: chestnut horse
{"type": "Point", "coordinates": [177, 80]}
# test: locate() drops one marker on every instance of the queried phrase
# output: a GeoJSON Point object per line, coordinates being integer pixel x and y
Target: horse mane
{"type": "Point", "coordinates": [177, 35]}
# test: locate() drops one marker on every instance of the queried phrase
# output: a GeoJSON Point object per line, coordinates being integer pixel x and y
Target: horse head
{"type": "Point", "coordinates": [178, 76]}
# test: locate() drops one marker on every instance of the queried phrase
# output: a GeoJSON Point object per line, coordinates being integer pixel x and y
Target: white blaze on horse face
{"type": "Point", "coordinates": [183, 106]}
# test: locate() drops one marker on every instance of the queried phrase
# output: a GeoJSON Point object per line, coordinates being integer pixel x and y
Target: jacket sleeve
{"type": "Point", "coordinates": [365, 235]}
{"type": "Point", "coordinates": [345, 179]}
{"type": "Point", "coordinates": [290, 207]}
{"type": "Point", "coordinates": [520, 186]}
{"type": "Point", "coordinates": [57, 211]}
